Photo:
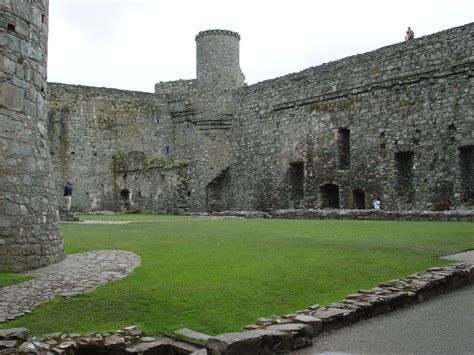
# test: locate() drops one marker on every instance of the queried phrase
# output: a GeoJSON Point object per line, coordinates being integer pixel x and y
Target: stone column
{"type": "Point", "coordinates": [30, 234]}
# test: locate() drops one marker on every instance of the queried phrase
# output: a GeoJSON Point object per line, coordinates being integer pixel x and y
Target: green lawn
{"type": "Point", "coordinates": [10, 279]}
{"type": "Point", "coordinates": [220, 275]}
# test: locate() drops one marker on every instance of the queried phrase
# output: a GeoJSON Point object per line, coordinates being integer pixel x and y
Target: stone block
{"type": "Point", "coordinates": [162, 345]}
{"type": "Point", "coordinates": [297, 329]}
{"type": "Point", "coordinates": [11, 97]}
{"type": "Point", "coordinates": [313, 322]}
{"type": "Point", "coordinates": [6, 3]}
{"type": "Point", "coordinates": [7, 344]}
{"type": "Point", "coordinates": [192, 336]}
{"type": "Point", "coordinates": [22, 8]}
{"type": "Point", "coordinates": [14, 333]}
{"type": "Point", "coordinates": [251, 343]}
{"type": "Point", "coordinates": [330, 315]}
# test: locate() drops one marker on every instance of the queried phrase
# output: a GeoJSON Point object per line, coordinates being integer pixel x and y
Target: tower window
{"type": "Point", "coordinates": [404, 162]}
{"type": "Point", "coordinates": [343, 157]}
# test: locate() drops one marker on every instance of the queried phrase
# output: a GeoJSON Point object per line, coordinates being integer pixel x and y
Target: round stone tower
{"type": "Point", "coordinates": [217, 59]}
{"type": "Point", "coordinates": [30, 234]}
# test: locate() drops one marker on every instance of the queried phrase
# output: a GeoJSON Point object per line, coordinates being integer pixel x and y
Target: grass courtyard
{"type": "Point", "coordinates": [218, 275]}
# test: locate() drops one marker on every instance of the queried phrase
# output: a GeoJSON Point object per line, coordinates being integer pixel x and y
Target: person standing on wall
{"type": "Point", "coordinates": [68, 195]}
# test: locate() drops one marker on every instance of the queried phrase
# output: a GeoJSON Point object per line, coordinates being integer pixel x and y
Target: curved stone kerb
{"type": "Point", "coordinates": [78, 273]}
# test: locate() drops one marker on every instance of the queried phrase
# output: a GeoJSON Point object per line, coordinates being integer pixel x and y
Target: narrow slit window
{"type": "Point", "coordinates": [343, 158]}
{"type": "Point", "coordinates": [405, 163]}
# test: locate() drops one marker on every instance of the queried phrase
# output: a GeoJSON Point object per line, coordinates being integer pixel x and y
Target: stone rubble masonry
{"type": "Point", "coordinates": [408, 112]}
{"type": "Point", "coordinates": [446, 216]}
{"type": "Point", "coordinates": [217, 59]}
{"type": "Point", "coordinates": [276, 334]}
{"type": "Point", "coordinates": [395, 123]}
{"type": "Point", "coordinates": [163, 185]}
{"type": "Point", "coordinates": [90, 127]}
{"type": "Point", "coordinates": [29, 222]}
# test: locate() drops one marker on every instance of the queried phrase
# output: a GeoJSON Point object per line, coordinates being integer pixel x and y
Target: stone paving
{"type": "Point", "coordinates": [465, 256]}
{"type": "Point", "coordinates": [78, 273]}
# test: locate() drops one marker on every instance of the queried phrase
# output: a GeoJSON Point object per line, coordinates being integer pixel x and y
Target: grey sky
{"type": "Point", "coordinates": [132, 44]}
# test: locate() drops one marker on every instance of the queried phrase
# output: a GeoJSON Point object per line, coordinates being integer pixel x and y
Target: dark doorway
{"type": "Point", "coordinates": [296, 183]}
{"type": "Point", "coordinates": [404, 163]}
{"type": "Point", "coordinates": [343, 158]}
{"type": "Point", "coordinates": [217, 192]}
{"type": "Point", "coordinates": [124, 199]}
{"type": "Point", "coordinates": [358, 199]}
{"type": "Point", "coordinates": [329, 196]}
{"type": "Point", "coordinates": [466, 161]}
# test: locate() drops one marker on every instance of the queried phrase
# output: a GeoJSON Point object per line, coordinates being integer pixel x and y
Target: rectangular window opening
{"type": "Point", "coordinates": [296, 181]}
{"type": "Point", "coordinates": [343, 158]}
{"type": "Point", "coordinates": [404, 162]}
{"type": "Point", "coordinates": [466, 162]}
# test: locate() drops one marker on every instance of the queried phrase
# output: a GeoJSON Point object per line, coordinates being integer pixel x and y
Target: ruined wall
{"type": "Point", "coordinates": [156, 185]}
{"type": "Point", "coordinates": [185, 120]}
{"type": "Point", "coordinates": [202, 136]}
{"type": "Point", "coordinates": [88, 126]}
{"type": "Point", "coordinates": [29, 222]}
{"type": "Point", "coordinates": [395, 123]}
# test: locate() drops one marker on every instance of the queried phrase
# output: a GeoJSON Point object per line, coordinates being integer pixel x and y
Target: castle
{"type": "Point", "coordinates": [395, 123]}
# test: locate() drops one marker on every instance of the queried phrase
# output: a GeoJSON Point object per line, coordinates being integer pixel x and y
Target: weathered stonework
{"type": "Point", "coordinates": [392, 123]}
{"type": "Point", "coordinates": [29, 221]}
{"type": "Point", "coordinates": [396, 123]}
{"type": "Point", "coordinates": [156, 185]}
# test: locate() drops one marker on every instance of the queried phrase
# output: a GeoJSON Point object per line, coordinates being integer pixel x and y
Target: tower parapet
{"type": "Point", "coordinates": [217, 59]}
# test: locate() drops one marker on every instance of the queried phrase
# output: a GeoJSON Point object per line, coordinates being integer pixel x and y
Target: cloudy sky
{"type": "Point", "coordinates": [132, 44]}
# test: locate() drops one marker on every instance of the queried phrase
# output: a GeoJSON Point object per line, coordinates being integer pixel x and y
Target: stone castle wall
{"type": "Point", "coordinates": [88, 126]}
{"type": "Point", "coordinates": [151, 185]}
{"type": "Point", "coordinates": [29, 222]}
{"type": "Point", "coordinates": [396, 123]}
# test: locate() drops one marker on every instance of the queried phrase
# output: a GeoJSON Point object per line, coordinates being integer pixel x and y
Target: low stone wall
{"type": "Point", "coordinates": [282, 334]}
{"type": "Point", "coordinates": [129, 340]}
{"type": "Point", "coordinates": [456, 215]}
{"type": "Point", "coordinates": [277, 334]}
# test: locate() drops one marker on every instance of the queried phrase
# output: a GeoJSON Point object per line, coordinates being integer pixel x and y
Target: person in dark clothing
{"type": "Point", "coordinates": [68, 195]}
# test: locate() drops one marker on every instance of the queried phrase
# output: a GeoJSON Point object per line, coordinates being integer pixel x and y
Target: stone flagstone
{"type": "Point", "coordinates": [78, 273]}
